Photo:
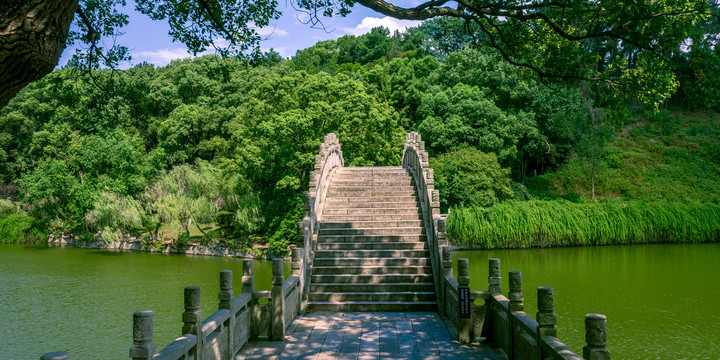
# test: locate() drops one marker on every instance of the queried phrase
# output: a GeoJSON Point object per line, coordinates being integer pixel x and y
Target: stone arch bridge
{"type": "Point", "coordinates": [374, 280]}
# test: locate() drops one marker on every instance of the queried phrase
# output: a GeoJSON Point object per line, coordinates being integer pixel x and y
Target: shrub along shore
{"type": "Point", "coordinates": [544, 223]}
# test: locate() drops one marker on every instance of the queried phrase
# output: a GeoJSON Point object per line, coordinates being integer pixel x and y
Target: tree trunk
{"type": "Point", "coordinates": [33, 34]}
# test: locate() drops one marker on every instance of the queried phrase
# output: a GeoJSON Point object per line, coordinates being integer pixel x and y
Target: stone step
{"type": "Point", "coordinates": [405, 180]}
{"type": "Point", "coordinates": [370, 238]}
{"type": "Point", "coordinates": [371, 278]}
{"type": "Point", "coordinates": [371, 253]}
{"type": "Point", "coordinates": [339, 193]}
{"type": "Point", "coordinates": [372, 169]}
{"type": "Point", "coordinates": [371, 217]}
{"type": "Point", "coordinates": [372, 306]}
{"type": "Point", "coordinates": [418, 245]}
{"type": "Point", "coordinates": [414, 230]}
{"type": "Point", "coordinates": [369, 270]}
{"type": "Point", "coordinates": [371, 288]}
{"type": "Point", "coordinates": [370, 205]}
{"type": "Point", "coordinates": [371, 187]}
{"type": "Point", "coordinates": [370, 224]}
{"type": "Point", "coordinates": [373, 296]}
{"type": "Point", "coordinates": [373, 211]}
{"type": "Point", "coordinates": [358, 261]}
{"type": "Point", "coordinates": [371, 199]}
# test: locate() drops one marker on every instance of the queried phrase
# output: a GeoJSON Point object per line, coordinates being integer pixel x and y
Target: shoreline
{"type": "Point", "coordinates": [136, 244]}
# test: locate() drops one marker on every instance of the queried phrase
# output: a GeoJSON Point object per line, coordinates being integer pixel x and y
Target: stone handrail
{"type": "Point", "coordinates": [237, 320]}
{"type": "Point", "coordinates": [415, 159]}
{"type": "Point", "coordinates": [328, 159]}
{"type": "Point", "coordinates": [502, 320]}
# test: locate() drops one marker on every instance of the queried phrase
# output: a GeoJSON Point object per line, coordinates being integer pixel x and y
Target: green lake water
{"type": "Point", "coordinates": [662, 301]}
{"type": "Point", "coordinates": [82, 301]}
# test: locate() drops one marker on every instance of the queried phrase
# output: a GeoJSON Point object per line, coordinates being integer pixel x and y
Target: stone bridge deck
{"type": "Point", "coordinates": [365, 336]}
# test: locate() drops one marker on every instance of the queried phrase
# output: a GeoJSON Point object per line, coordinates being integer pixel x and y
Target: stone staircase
{"type": "Point", "coordinates": [372, 252]}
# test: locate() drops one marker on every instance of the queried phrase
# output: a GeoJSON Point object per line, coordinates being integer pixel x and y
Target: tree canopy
{"type": "Point", "coordinates": [624, 45]}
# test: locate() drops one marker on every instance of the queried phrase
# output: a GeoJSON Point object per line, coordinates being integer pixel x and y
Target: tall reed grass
{"type": "Point", "coordinates": [541, 223]}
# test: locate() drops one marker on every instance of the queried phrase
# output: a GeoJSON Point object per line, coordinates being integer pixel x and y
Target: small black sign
{"type": "Point", "coordinates": [464, 294]}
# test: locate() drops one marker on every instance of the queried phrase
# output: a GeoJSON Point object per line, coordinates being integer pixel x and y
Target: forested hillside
{"type": "Point", "coordinates": [218, 150]}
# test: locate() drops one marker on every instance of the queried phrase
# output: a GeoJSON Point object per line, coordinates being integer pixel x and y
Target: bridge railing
{"type": "Point", "coordinates": [237, 320]}
{"type": "Point", "coordinates": [502, 320]}
{"type": "Point", "coordinates": [328, 159]}
{"type": "Point", "coordinates": [415, 159]}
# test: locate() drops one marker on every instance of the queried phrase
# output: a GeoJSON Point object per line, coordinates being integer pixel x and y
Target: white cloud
{"type": "Point", "coordinates": [271, 31]}
{"type": "Point", "coordinates": [161, 57]}
{"type": "Point", "coordinates": [370, 22]}
{"type": "Point", "coordinates": [282, 50]}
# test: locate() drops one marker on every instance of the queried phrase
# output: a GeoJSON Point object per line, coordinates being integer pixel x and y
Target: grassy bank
{"type": "Point", "coordinates": [673, 156]}
{"type": "Point", "coordinates": [540, 223]}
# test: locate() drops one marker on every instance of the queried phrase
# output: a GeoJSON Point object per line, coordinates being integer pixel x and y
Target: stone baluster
{"type": "Point", "coordinates": [546, 312]}
{"type": "Point", "coordinates": [301, 232]}
{"type": "Point", "coordinates": [277, 331]}
{"type": "Point", "coordinates": [596, 338]}
{"type": "Point", "coordinates": [192, 317]}
{"type": "Point", "coordinates": [56, 355]}
{"type": "Point", "coordinates": [515, 295]}
{"type": "Point", "coordinates": [298, 269]}
{"type": "Point", "coordinates": [494, 277]}
{"type": "Point", "coordinates": [446, 265]}
{"type": "Point", "coordinates": [435, 203]}
{"type": "Point", "coordinates": [442, 231]}
{"type": "Point", "coordinates": [447, 260]}
{"type": "Point", "coordinates": [248, 278]}
{"type": "Point", "coordinates": [143, 347]}
{"type": "Point", "coordinates": [225, 295]}
{"type": "Point", "coordinates": [465, 325]}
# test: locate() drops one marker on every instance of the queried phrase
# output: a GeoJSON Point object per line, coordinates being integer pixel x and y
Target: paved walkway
{"type": "Point", "coordinates": [365, 336]}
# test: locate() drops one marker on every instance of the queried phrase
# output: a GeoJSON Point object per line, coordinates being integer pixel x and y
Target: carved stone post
{"type": "Point", "coordinates": [435, 203]}
{"type": "Point", "coordinates": [248, 278]}
{"type": "Point", "coordinates": [546, 312]}
{"type": "Point", "coordinates": [596, 338]}
{"type": "Point", "coordinates": [226, 293]}
{"type": "Point", "coordinates": [447, 260]}
{"type": "Point", "coordinates": [446, 254]}
{"type": "Point", "coordinates": [466, 324]}
{"type": "Point", "coordinates": [300, 232]}
{"type": "Point", "coordinates": [494, 277]}
{"type": "Point", "coordinates": [192, 317]}
{"type": "Point", "coordinates": [143, 347]}
{"type": "Point", "coordinates": [442, 231]}
{"type": "Point", "coordinates": [515, 295]}
{"type": "Point", "coordinates": [56, 355]}
{"type": "Point", "coordinates": [277, 330]}
{"type": "Point", "coordinates": [225, 296]}
{"type": "Point", "coordinates": [298, 269]}
{"type": "Point", "coordinates": [248, 282]}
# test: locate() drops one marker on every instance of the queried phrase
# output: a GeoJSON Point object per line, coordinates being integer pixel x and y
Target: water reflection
{"type": "Point", "coordinates": [81, 301]}
{"type": "Point", "coordinates": [662, 301]}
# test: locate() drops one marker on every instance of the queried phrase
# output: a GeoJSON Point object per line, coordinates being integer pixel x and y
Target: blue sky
{"type": "Point", "coordinates": [149, 40]}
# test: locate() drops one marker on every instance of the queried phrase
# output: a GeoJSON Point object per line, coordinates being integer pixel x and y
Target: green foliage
{"type": "Point", "coordinates": [194, 195]}
{"type": "Point", "coordinates": [114, 215]}
{"type": "Point", "coordinates": [562, 223]}
{"type": "Point", "coordinates": [222, 148]}
{"type": "Point", "coordinates": [18, 227]}
{"type": "Point", "coordinates": [463, 114]}
{"type": "Point", "coordinates": [469, 176]}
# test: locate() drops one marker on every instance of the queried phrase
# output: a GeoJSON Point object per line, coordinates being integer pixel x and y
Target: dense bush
{"type": "Point", "coordinates": [564, 223]}
{"type": "Point", "coordinates": [467, 176]}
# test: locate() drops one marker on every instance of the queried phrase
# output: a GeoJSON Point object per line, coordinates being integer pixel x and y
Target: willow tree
{"type": "Point", "coordinates": [557, 39]}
